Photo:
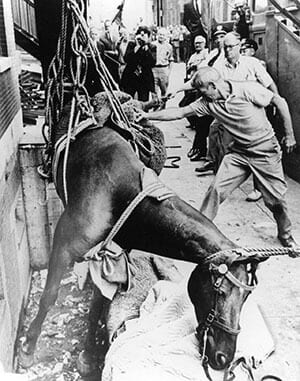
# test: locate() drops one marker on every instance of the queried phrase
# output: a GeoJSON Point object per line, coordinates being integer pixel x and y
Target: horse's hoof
{"type": "Point", "coordinates": [86, 364]}
{"type": "Point", "coordinates": [25, 359]}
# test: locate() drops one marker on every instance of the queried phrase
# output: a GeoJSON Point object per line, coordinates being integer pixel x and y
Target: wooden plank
{"type": "Point", "coordinates": [35, 204]}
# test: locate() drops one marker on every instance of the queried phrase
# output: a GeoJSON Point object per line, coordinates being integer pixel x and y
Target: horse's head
{"type": "Point", "coordinates": [218, 289]}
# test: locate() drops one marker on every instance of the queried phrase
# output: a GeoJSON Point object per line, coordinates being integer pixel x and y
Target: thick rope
{"type": "Point", "coordinates": [267, 252]}
{"type": "Point", "coordinates": [261, 252]}
{"type": "Point", "coordinates": [130, 208]}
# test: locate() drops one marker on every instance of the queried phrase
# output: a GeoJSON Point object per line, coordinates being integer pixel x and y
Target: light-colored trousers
{"type": "Point", "coordinates": [264, 162]}
{"type": "Point", "coordinates": [161, 79]}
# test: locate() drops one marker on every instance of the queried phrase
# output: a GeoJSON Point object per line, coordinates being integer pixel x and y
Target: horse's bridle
{"type": "Point", "coordinates": [222, 272]}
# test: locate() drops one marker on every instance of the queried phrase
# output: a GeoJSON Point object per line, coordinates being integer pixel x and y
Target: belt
{"type": "Point", "coordinates": [161, 65]}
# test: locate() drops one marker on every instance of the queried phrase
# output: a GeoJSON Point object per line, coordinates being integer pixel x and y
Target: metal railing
{"type": "Point", "coordinates": [286, 13]}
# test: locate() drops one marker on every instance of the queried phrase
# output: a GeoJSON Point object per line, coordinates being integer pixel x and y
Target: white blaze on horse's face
{"type": "Point", "coordinates": [218, 300]}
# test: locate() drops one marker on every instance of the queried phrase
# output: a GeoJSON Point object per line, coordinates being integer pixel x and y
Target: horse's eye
{"type": "Point", "coordinates": [221, 292]}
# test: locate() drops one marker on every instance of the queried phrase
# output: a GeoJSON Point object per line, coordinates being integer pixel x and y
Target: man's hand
{"type": "Point", "coordinates": [289, 143]}
{"type": "Point", "coordinates": [139, 115]}
{"type": "Point", "coordinates": [171, 95]}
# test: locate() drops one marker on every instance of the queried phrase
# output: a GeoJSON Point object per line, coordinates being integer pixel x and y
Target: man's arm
{"type": "Point", "coordinates": [172, 113]}
{"type": "Point", "coordinates": [273, 87]}
{"type": "Point", "coordinates": [283, 109]}
{"type": "Point", "coordinates": [185, 87]}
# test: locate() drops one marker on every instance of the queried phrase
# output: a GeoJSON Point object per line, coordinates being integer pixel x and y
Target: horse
{"type": "Point", "coordinates": [103, 175]}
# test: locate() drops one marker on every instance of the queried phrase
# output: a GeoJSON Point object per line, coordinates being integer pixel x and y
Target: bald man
{"type": "Point", "coordinates": [239, 107]}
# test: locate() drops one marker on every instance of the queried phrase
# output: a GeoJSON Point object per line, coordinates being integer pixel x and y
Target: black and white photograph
{"type": "Point", "coordinates": [149, 190]}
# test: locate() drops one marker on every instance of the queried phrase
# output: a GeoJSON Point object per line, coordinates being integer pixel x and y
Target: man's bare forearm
{"type": "Point", "coordinates": [284, 112]}
{"type": "Point", "coordinates": [172, 113]}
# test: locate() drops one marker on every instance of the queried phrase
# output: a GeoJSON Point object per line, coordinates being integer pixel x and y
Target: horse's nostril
{"type": "Point", "coordinates": [221, 360]}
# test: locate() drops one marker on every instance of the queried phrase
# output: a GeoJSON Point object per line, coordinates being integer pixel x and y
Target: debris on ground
{"type": "Point", "coordinates": [63, 331]}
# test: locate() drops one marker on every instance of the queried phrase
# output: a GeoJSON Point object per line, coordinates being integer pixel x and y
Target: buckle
{"type": "Point", "coordinates": [211, 317]}
{"type": "Point", "coordinates": [223, 269]}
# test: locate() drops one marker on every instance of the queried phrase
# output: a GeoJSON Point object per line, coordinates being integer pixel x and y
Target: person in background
{"type": "Point", "coordinates": [199, 151]}
{"type": "Point", "coordinates": [140, 59]}
{"type": "Point", "coordinates": [108, 44]}
{"type": "Point", "coordinates": [122, 44]}
{"type": "Point", "coordinates": [175, 42]}
{"type": "Point", "coordinates": [239, 107]}
{"type": "Point", "coordinates": [201, 125]}
{"type": "Point", "coordinates": [164, 61]}
{"type": "Point", "coordinates": [187, 44]}
{"type": "Point", "coordinates": [249, 48]}
{"type": "Point", "coordinates": [217, 53]}
{"type": "Point", "coordinates": [92, 83]}
{"type": "Point", "coordinates": [200, 55]}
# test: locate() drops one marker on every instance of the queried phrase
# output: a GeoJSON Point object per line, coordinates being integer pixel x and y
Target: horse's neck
{"type": "Point", "coordinates": [174, 230]}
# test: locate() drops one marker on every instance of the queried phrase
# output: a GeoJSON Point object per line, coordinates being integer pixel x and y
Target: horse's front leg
{"type": "Point", "coordinates": [88, 359]}
{"type": "Point", "coordinates": [69, 243]}
{"type": "Point", "coordinates": [57, 266]}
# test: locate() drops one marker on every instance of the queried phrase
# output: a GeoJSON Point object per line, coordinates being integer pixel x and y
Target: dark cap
{"type": "Point", "coordinates": [143, 28]}
{"type": "Point", "coordinates": [219, 31]}
{"type": "Point", "coordinates": [249, 43]}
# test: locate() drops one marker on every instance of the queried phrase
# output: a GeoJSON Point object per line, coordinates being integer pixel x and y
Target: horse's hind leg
{"type": "Point", "coordinates": [87, 362]}
{"type": "Point", "coordinates": [68, 244]}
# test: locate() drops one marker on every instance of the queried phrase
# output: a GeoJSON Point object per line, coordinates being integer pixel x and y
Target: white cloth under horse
{"type": "Point", "coordinates": [161, 343]}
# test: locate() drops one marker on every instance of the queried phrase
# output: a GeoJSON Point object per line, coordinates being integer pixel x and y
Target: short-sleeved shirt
{"type": "Point", "coordinates": [197, 58]}
{"type": "Point", "coordinates": [246, 69]}
{"type": "Point", "coordinates": [164, 53]}
{"type": "Point", "coordinates": [242, 114]}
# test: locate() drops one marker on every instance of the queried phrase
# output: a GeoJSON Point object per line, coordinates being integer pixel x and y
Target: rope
{"type": "Point", "coordinates": [66, 153]}
{"type": "Point", "coordinates": [262, 252]}
{"type": "Point", "coordinates": [134, 203]}
{"type": "Point", "coordinates": [267, 252]}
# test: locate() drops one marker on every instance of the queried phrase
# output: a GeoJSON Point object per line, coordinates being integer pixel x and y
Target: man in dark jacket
{"type": "Point", "coordinates": [140, 59]}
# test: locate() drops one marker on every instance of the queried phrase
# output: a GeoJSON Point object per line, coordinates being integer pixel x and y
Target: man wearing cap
{"type": "Point", "coordinates": [234, 67]}
{"type": "Point", "coordinates": [218, 52]}
{"type": "Point", "coordinates": [239, 106]}
{"type": "Point", "coordinates": [164, 61]}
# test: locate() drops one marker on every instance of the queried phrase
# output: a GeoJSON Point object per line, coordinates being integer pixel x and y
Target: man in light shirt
{"type": "Point", "coordinates": [236, 67]}
{"type": "Point", "coordinates": [164, 61]}
{"type": "Point", "coordinates": [239, 108]}
{"type": "Point", "coordinates": [200, 55]}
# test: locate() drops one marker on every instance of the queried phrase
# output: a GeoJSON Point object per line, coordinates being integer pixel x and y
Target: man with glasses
{"type": "Point", "coordinates": [234, 67]}
{"type": "Point", "coordinates": [239, 107]}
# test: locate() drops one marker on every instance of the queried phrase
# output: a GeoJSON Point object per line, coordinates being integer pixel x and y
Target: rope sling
{"type": "Point", "coordinates": [65, 79]}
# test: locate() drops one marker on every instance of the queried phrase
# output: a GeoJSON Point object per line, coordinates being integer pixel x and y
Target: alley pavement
{"type": "Point", "coordinates": [249, 224]}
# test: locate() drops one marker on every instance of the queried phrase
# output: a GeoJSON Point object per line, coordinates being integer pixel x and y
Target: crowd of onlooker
{"type": "Point", "coordinates": [140, 61]}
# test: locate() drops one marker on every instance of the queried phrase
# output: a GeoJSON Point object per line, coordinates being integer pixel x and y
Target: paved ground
{"type": "Point", "coordinates": [248, 224]}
